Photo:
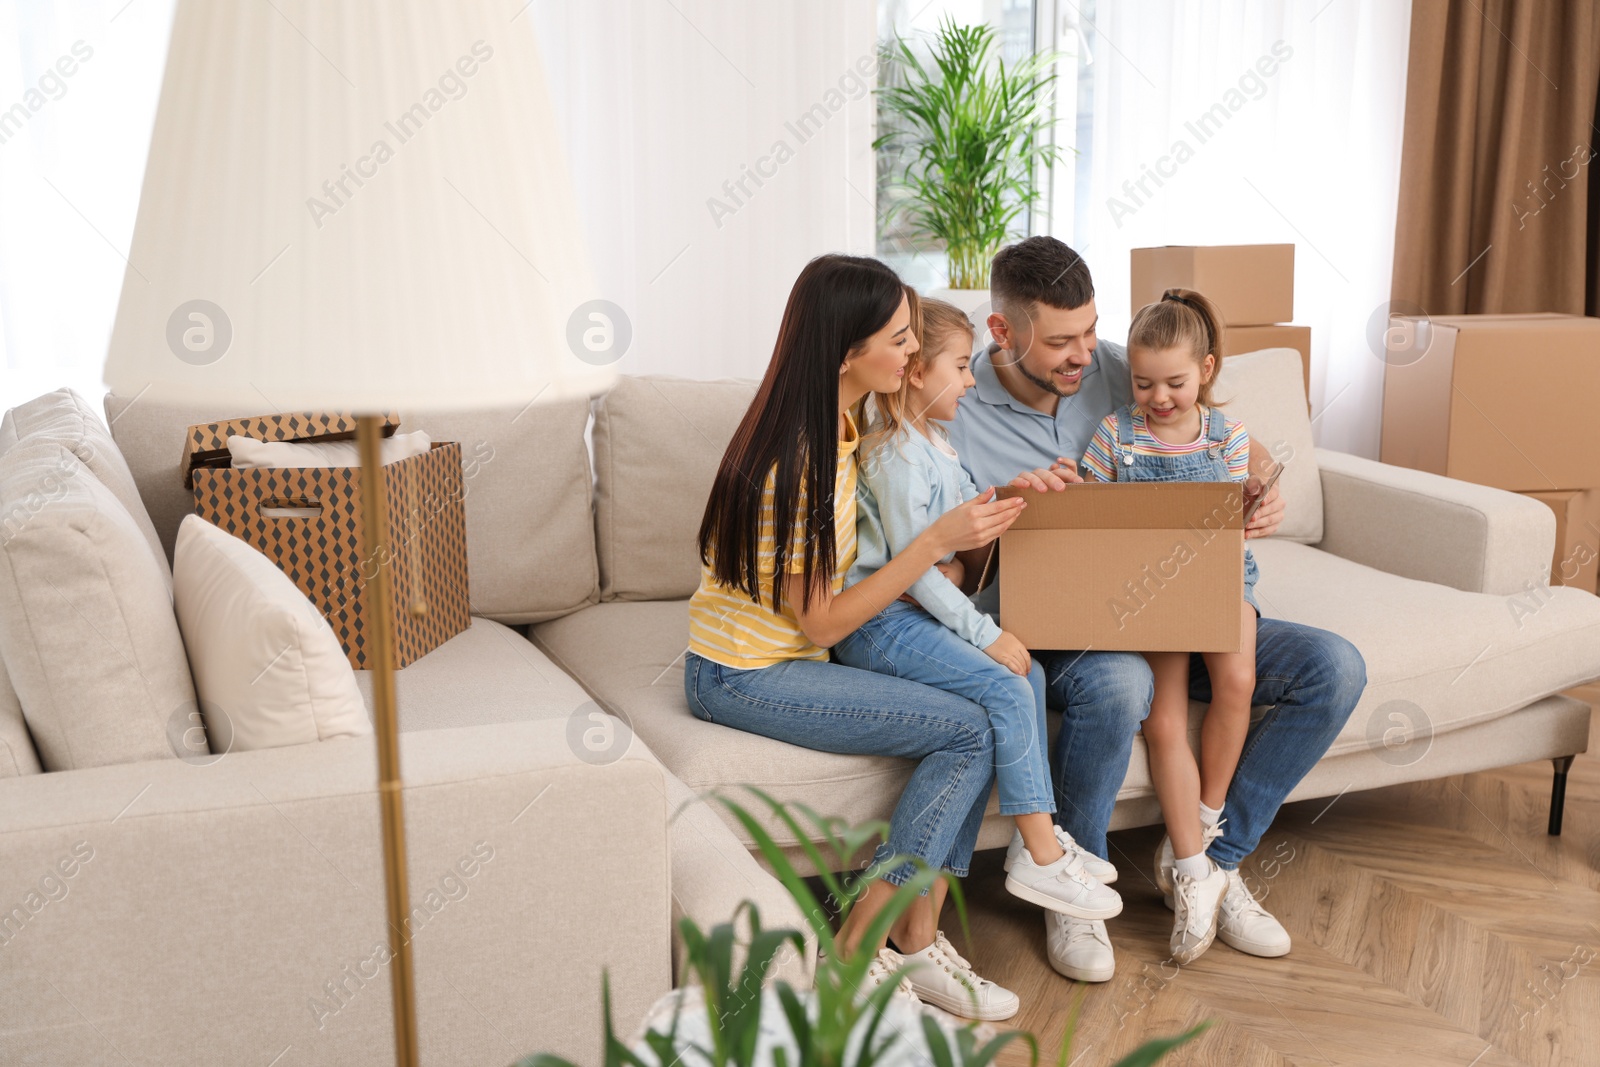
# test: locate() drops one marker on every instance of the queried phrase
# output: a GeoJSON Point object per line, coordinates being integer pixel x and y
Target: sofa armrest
{"type": "Point", "coordinates": [713, 873]}
{"type": "Point", "coordinates": [254, 886]}
{"type": "Point", "coordinates": [1432, 528]}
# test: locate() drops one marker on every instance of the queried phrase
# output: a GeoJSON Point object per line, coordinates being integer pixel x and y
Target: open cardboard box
{"type": "Point", "coordinates": [1141, 567]}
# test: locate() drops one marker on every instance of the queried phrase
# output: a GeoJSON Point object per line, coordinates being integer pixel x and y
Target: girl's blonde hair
{"type": "Point", "coordinates": [1182, 318]}
{"type": "Point", "coordinates": [933, 322]}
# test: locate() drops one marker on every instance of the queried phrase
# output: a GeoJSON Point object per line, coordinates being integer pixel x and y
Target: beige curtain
{"type": "Point", "coordinates": [1496, 178]}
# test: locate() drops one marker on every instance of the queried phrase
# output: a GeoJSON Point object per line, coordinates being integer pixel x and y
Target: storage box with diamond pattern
{"type": "Point", "coordinates": [308, 521]}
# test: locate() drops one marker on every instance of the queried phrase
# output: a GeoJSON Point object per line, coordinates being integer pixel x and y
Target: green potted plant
{"type": "Point", "coordinates": [725, 1013]}
{"type": "Point", "coordinates": [964, 138]}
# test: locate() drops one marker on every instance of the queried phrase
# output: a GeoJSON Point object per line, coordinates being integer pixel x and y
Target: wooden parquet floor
{"type": "Point", "coordinates": [1434, 923]}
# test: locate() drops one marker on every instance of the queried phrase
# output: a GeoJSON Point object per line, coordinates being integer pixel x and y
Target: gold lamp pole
{"type": "Point", "coordinates": [391, 799]}
{"type": "Point", "coordinates": [328, 288]}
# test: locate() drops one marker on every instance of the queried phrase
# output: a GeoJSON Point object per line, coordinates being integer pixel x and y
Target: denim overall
{"type": "Point", "coordinates": [1207, 466]}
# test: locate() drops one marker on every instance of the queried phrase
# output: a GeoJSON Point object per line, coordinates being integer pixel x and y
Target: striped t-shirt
{"type": "Point", "coordinates": [1099, 459]}
{"type": "Point", "coordinates": [729, 628]}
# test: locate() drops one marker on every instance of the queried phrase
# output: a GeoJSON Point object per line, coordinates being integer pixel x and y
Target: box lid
{"type": "Point", "coordinates": [206, 444]}
{"type": "Point", "coordinates": [1131, 506]}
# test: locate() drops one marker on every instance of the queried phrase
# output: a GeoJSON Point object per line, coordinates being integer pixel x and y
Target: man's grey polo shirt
{"type": "Point", "coordinates": [999, 437]}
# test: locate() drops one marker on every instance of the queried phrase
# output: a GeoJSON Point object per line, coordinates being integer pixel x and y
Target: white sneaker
{"type": "Point", "coordinates": [1246, 925]}
{"type": "Point", "coordinates": [1079, 948]}
{"type": "Point", "coordinates": [1199, 910]}
{"type": "Point", "coordinates": [1062, 886]}
{"type": "Point", "coordinates": [1100, 870]}
{"type": "Point", "coordinates": [1166, 861]}
{"type": "Point", "coordinates": [882, 969]}
{"type": "Point", "coordinates": [941, 977]}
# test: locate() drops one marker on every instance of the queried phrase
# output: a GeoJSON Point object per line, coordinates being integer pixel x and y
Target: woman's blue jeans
{"type": "Point", "coordinates": [905, 641]}
{"type": "Point", "coordinates": [833, 708]}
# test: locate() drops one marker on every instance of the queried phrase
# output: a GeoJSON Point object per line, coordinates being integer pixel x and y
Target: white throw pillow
{"type": "Point", "coordinates": [1266, 391]}
{"type": "Point", "coordinates": [267, 668]}
{"type": "Point", "coordinates": [86, 622]}
{"type": "Point", "coordinates": [248, 452]}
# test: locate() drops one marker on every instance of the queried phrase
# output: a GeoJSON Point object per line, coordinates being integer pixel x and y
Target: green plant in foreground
{"type": "Point", "coordinates": [964, 141]}
{"type": "Point", "coordinates": [832, 1025]}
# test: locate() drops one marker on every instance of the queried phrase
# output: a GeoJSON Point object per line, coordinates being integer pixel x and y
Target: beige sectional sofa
{"type": "Point", "coordinates": [222, 897]}
{"type": "Point", "coordinates": [231, 909]}
{"type": "Point", "coordinates": [1441, 584]}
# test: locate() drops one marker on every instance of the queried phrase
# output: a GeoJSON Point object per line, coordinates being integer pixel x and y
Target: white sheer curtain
{"type": "Point", "coordinates": [1308, 154]}
{"type": "Point", "coordinates": [716, 146]}
{"type": "Point", "coordinates": [78, 88]}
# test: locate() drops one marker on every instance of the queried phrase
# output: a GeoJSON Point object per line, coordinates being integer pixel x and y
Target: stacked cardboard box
{"type": "Point", "coordinates": [1501, 400]}
{"type": "Point", "coordinates": [1252, 286]}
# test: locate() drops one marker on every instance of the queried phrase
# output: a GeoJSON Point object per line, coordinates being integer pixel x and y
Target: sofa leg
{"type": "Point", "coordinates": [1558, 793]}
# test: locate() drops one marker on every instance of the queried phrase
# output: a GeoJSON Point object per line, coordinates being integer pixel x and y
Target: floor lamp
{"type": "Point", "coordinates": [360, 208]}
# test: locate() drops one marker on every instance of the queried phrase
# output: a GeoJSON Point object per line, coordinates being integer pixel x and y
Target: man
{"type": "Point", "coordinates": [1042, 388]}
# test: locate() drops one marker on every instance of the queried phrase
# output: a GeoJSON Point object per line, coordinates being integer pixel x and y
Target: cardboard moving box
{"type": "Point", "coordinates": [1143, 567]}
{"type": "Point", "coordinates": [1577, 556]}
{"type": "Point", "coordinates": [1500, 400]}
{"type": "Point", "coordinates": [1252, 285]}
{"type": "Point", "coordinates": [1237, 340]}
{"type": "Point", "coordinates": [308, 521]}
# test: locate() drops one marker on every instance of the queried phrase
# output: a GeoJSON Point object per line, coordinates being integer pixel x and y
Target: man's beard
{"type": "Point", "coordinates": [1047, 384]}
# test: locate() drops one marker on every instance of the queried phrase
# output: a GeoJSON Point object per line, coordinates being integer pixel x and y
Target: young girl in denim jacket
{"type": "Point", "coordinates": [910, 475]}
{"type": "Point", "coordinates": [1173, 432]}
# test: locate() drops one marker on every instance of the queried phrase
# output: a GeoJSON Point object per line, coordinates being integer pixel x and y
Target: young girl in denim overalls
{"type": "Point", "coordinates": [1173, 433]}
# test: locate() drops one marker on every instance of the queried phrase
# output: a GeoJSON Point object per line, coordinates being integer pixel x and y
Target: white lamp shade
{"type": "Point", "coordinates": [357, 206]}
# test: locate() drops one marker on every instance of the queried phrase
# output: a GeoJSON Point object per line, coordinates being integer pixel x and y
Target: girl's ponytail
{"type": "Point", "coordinates": [1182, 318]}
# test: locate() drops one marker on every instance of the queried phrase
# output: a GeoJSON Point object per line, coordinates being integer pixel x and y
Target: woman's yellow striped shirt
{"type": "Point", "coordinates": [729, 628]}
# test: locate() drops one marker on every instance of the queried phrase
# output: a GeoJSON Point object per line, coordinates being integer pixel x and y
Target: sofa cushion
{"type": "Point", "coordinates": [267, 668]}
{"type": "Point", "coordinates": [17, 755]}
{"type": "Point", "coordinates": [1437, 658]}
{"type": "Point", "coordinates": [1266, 391]}
{"type": "Point", "coordinates": [530, 526]}
{"type": "Point", "coordinates": [488, 673]}
{"type": "Point", "coordinates": [86, 621]}
{"type": "Point", "coordinates": [657, 444]}
{"type": "Point", "coordinates": [66, 419]}
{"type": "Point", "coordinates": [630, 656]}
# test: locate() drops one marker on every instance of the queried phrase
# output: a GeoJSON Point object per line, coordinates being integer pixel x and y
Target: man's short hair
{"type": "Point", "coordinates": [1039, 270]}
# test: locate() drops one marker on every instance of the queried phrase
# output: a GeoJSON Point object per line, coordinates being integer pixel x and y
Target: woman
{"type": "Point", "coordinates": [777, 539]}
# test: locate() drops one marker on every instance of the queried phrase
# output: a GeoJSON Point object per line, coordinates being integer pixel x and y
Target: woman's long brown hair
{"type": "Point", "coordinates": [790, 431]}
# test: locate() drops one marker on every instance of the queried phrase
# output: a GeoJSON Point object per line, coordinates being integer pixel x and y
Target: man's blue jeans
{"type": "Point", "coordinates": [833, 708]}
{"type": "Point", "coordinates": [1309, 679]}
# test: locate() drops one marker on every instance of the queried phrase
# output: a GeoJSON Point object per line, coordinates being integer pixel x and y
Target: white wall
{"type": "Point", "coordinates": [665, 101]}
{"type": "Point", "coordinates": [69, 181]}
{"type": "Point", "coordinates": [1308, 155]}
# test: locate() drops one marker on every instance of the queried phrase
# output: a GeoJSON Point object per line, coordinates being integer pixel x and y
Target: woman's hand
{"type": "Point", "coordinates": [975, 523]}
{"type": "Point", "coordinates": [1010, 653]}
